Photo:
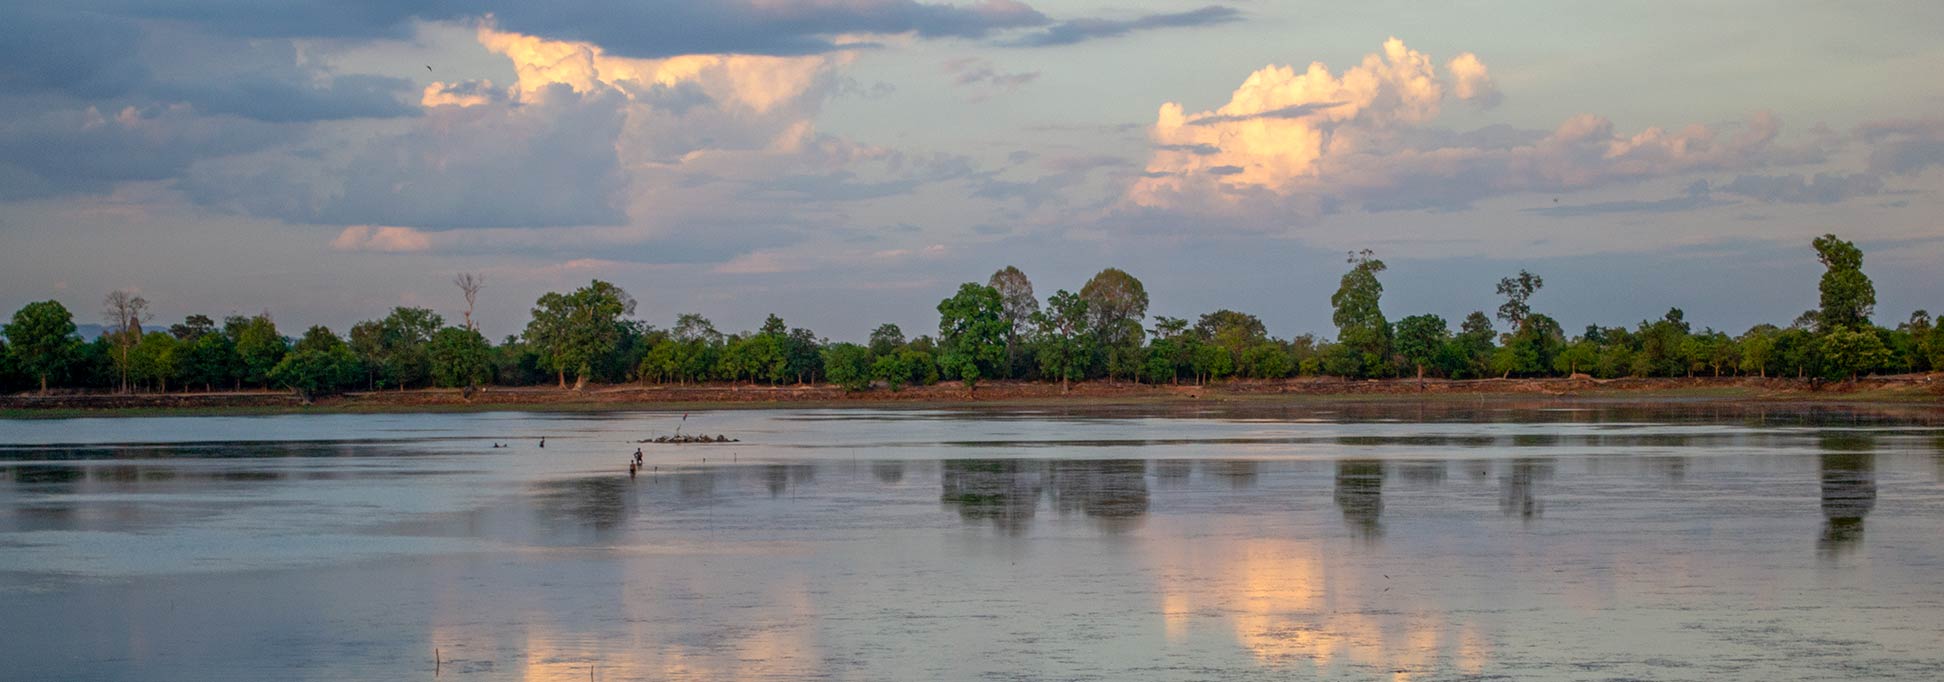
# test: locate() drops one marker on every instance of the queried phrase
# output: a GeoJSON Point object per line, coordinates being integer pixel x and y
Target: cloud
{"type": "Point", "coordinates": [981, 75]}
{"type": "Point", "coordinates": [86, 150]}
{"type": "Point", "coordinates": [1472, 82]}
{"type": "Point", "coordinates": [1905, 146]}
{"type": "Point", "coordinates": [1293, 145]}
{"type": "Point", "coordinates": [1697, 196]}
{"type": "Point", "coordinates": [381, 238]}
{"type": "Point", "coordinates": [1822, 188]}
{"type": "Point", "coordinates": [1080, 30]}
{"type": "Point", "coordinates": [666, 28]}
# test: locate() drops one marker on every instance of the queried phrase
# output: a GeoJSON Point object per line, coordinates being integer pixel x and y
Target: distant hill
{"type": "Point", "coordinates": [90, 332]}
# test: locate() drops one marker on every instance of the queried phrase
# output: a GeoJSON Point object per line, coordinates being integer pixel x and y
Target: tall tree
{"type": "Point", "coordinates": [192, 328]}
{"type": "Point", "coordinates": [43, 340]}
{"type": "Point", "coordinates": [1066, 348]}
{"type": "Point", "coordinates": [1361, 327]}
{"type": "Point", "coordinates": [124, 311]}
{"type": "Point", "coordinates": [573, 330]}
{"type": "Point", "coordinates": [1116, 303]}
{"type": "Point", "coordinates": [973, 327]}
{"type": "Point", "coordinates": [1518, 292]}
{"type": "Point", "coordinates": [849, 365]}
{"type": "Point", "coordinates": [1017, 300]}
{"type": "Point", "coordinates": [1848, 297]}
{"type": "Point", "coordinates": [469, 284]}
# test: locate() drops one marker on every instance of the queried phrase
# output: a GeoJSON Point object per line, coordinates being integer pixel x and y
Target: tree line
{"type": "Point", "coordinates": [996, 330]}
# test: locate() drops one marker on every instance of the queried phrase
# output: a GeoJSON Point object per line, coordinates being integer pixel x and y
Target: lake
{"type": "Point", "coordinates": [1250, 541]}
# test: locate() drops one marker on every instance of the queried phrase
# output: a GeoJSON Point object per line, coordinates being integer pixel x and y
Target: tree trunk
{"type": "Point", "coordinates": [1063, 383]}
{"type": "Point", "coordinates": [562, 375]}
{"type": "Point", "coordinates": [43, 384]}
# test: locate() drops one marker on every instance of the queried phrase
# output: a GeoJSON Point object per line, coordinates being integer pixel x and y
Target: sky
{"type": "Point", "coordinates": [844, 163]}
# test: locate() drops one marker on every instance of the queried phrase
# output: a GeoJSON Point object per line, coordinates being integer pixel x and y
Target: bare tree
{"type": "Point", "coordinates": [470, 284]}
{"type": "Point", "coordinates": [125, 311]}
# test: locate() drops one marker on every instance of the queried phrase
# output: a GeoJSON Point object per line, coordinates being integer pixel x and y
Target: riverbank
{"type": "Point", "coordinates": [1903, 389]}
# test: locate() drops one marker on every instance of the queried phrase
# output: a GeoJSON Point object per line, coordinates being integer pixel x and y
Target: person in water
{"type": "Point", "coordinates": [637, 456]}
{"type": "Point", "coordinates": [543, 441]}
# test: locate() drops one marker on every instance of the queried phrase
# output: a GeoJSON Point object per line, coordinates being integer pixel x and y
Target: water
{"type": "Point", "coordinates": [1407, 542]}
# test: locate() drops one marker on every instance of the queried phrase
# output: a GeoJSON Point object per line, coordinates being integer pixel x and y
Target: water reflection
{"type": "Point", "coordinates": [1849, 490]}
{"type": "Point", "coordinates": [1003, 491]}
{"type": "Point", "coordinates": [1518, 488]}
{"type": "Point", "coordinates": [1360, 494]}
{"type": "Point", "coordinates": [1113, 492]}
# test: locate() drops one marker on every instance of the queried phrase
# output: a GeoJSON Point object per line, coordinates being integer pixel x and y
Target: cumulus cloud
{"type": "Point", "coordinates": [1299, 144]}
{"type": "Point", "coordinates": [1078, 30]}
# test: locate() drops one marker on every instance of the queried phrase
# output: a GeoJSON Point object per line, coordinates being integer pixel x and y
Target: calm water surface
{"type": "Point", "coordinates": [1407, 542]}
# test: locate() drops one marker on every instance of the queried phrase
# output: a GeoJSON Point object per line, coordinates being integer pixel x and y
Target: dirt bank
{"type": "Point", "coordinates": [1921, 389]}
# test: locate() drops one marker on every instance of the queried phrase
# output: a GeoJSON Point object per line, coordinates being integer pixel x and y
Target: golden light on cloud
{"type": "Point", "coordinates": [381, 238]}
{"type": "Point", "coordinates": [1280, 122]}
{"type": "Point", "coordinates": [755, 82]}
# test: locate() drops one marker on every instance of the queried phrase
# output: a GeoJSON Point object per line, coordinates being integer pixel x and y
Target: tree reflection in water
{"type": "Point", "coordinates": [1517, 489]}
{"type": "Point", "coordinates": [1848, 490]}
{"type": "Point", "coordinates": [1360, 494]}
{"type": "Point", "coordinates": [1007, 492]}
{"type": "Point", "coordinates": [1003, 491]}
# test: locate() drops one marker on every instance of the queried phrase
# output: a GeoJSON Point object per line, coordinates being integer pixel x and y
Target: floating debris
{"type": "Point", "coordinates": [680, 439]}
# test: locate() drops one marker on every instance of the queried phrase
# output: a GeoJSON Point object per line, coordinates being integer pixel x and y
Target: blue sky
{"type": "Point", "coordinates": [848, 162]}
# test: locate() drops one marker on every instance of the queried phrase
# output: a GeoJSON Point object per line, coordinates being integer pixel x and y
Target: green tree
{"type": "Point", "coordinates": [1065, 344]}
{"type": "Point", "coordinates": [192, 328]}
{"type": "Point", "coordinates": [210, 360]}
{"type": "Point", "coordinates": [1018, 305]}
{"type": "Point", "coordinates": [1116, 305]}
{"type": "Point", "coordinates": [154, 360]}
{"type": "Point", "coordinates": [973, 328]}
{"type": "Point", "coordinates": [1472, 347]}
{"type": "Point", "coordinates": [42, 341]}
{"type": "Point", "coordinates": [1847, 352]}
{"type": "Point", "coordinates": [1848, 297]}
{"type": "Point", "coordinates": [1419, 338]}
{"type": "Point", "coordinates": [574, 330]}
{"type": "Point", "coordinates": [259, 347]}
{"type": "Point", "coordinates": [886, 339]}
{"type": "Point", "coordinates": [1361, 327]}
{"type": "Point", "coordinates": [849, 365]}
{"type": "Point", "coordinates": [1267, 360]}
{"type": "Point", "coordinates": [310, 372]}
{"type": "Point", "coordinates": [1758, 349]}
{"type": "Point", "coordinates": [460, 358]}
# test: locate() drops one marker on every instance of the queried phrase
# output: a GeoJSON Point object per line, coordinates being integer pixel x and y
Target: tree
{"type": "Point", "coordinates": [469, 285]}
{"type": "Point", "coordinates": [1018, 304]}
{"type": "Point", "coordinates": [1758, 349]}
{"type": "Point", "coordinates": [1847, 352]}
{"type": "Point", "coordinates": [1116, 305]}
{"type": "Point", "coordinates": [886, 339]}
{"type": "Point", "coordinates": [42, 340]}
{"type": "Point", "coordinates": [573, 330]}
{"type": "Point", "coordinates": [1065, 350]}
{"type": "Point", "coordinates": [209, 360]}
{"type": "Point", "coordinates": [973, 327]}
{"type": "Point", "coordinates": [694, 327]}
{"type": "Point", "coordinates": [258, 346]}
{"type": "Point", "coordinates": [403, 338]}
{"type": "Point", "coordinates": [1472, 347]}
{"type": "Point", "coordinates": [1517, 291]}
{"type": "Point", "coordinates": [849, 365]}
{"type": "Point", "coordinates": [460, 358]}
{"type": "Point", "coordinates": [154, 361]}
{"type": "Point", "coordinates": [312, 371]}
{"type": "Point", "coordinates": [1359, 318]}
{"type": "Point", "coordinates": [192, 328]}
{"type": "Point", "coordinates": [1419, 338]}
{"type": "Point", "coordinates": [124, 312]}
{"type": "Point", "coordinates": [1848, 297]}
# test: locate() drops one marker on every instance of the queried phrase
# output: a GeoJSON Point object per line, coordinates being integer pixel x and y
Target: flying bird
{"type": "Point", "coordinates": [428, 67]}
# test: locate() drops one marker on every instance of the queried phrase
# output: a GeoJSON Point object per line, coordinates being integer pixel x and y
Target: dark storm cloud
{"type": "Point", "coordinates": [88, 151]}
{"type": "Point", "coordinates": [1079, 30]}
{"type": "Point", "coordinates": [286, 101]}
{"type": "Point", "coordinates": [1698, 196]}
